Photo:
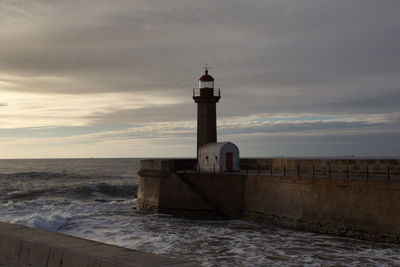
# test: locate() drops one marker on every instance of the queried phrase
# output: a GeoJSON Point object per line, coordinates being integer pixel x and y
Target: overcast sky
{"type": "Point", "coordinates": [102, 78]}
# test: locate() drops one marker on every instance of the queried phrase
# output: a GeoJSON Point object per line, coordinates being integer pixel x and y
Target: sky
{"type": "Point", "coordinates": [100, 78]}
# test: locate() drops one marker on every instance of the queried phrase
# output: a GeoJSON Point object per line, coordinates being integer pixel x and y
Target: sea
{"type": "Point", "coordinates": [96, 199]}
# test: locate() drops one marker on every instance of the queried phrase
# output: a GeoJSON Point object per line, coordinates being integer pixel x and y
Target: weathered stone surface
{"type": "Point", "coordinates": [354, 208]}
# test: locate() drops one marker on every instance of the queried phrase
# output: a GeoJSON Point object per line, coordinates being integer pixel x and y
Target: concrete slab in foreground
{"type": "Point", "coordinates": [24, 246]}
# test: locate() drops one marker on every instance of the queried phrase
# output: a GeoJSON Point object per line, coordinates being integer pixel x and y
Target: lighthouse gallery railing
{"type": "Point", "coordinates": [197, 92]}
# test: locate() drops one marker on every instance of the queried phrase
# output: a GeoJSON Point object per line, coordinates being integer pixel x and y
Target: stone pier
{"type": "Point", "coordinates": [353, 204]}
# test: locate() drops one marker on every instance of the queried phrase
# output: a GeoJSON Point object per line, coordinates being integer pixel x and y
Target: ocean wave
{"type": "Point", "coordinates": [60, 215]}
{"type": "Point", "coordinates": [48, 175]}
{"type": "Point", "coordinates": [52, 222]}
{"type": "Point", "coordinates": [80, 191]}
{"type": "Point", "coordinates": [211, 243]}
{"type": "Point", "coordinates": [28, 194]}
{"type": "Point", "coordinates": [112, 190]}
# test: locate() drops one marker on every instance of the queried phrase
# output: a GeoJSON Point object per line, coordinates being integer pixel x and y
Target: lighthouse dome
{"type": "Point", "coordinates": [206, 77]}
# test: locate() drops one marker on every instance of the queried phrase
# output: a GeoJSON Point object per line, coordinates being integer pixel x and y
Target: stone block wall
{"type": "Point", "coordinates": [360, 208]}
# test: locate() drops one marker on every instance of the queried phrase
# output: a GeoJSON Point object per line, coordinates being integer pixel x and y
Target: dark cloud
{"type": "Point", "coordinates": [160, 46]}
{"type": "Point", "coordinates": [334, 56]}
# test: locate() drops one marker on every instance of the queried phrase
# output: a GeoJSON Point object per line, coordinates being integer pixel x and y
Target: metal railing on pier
{"type": "Point", "coordinates": [388, 173]}
{"type": "Point", "coordinates": [373, 173]}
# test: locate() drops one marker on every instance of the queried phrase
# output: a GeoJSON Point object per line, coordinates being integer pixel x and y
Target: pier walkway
{"type": "Point", "coordinates": [24, 246]}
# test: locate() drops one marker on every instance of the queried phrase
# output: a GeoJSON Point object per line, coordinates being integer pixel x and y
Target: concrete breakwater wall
{"type": "Point", "coordinates": [24, 246]}
{"type": "Point", "coordinates": [360, 208]}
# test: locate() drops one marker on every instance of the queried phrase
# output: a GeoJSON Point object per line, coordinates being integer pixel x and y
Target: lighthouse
{"type": "Point", "coordinates": [206, 97]}
{"type": "Point", "coordinates": [211, 155]}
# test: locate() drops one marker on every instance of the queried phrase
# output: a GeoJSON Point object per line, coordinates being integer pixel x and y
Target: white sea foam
{"type": "Point", "coordinates": [212, 243]}
{"type": "Point", "coordinates": [52, 222]}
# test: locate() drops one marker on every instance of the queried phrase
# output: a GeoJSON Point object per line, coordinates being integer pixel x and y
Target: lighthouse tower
{"type": "Point", "coordinates": [206, 97]}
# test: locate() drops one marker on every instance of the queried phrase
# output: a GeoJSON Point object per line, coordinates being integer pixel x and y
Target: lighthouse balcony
{"type": "Point", "coordinates": [206, 92]}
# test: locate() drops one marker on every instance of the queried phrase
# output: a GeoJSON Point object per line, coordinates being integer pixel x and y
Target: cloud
{"type": "Point", "coordinates": [295, 137]}
{"type": "Point", "coordinates": [276, 125]}
{"type": "Point", "coordinates": [27, 110]}
{"type": "Point", "coordinates": [130, 64]}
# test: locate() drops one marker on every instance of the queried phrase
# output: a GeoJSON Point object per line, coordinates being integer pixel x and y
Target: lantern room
{"type": "Point", "coordinates": [206, 81]}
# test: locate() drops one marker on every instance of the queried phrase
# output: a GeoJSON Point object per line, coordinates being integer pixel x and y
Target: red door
{"type": "Point", "coordinates": [229, 161]}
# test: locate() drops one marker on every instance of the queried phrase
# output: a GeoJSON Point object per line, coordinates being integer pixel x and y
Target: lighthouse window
{"type": "Point", "coordinates": [206, 84]}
